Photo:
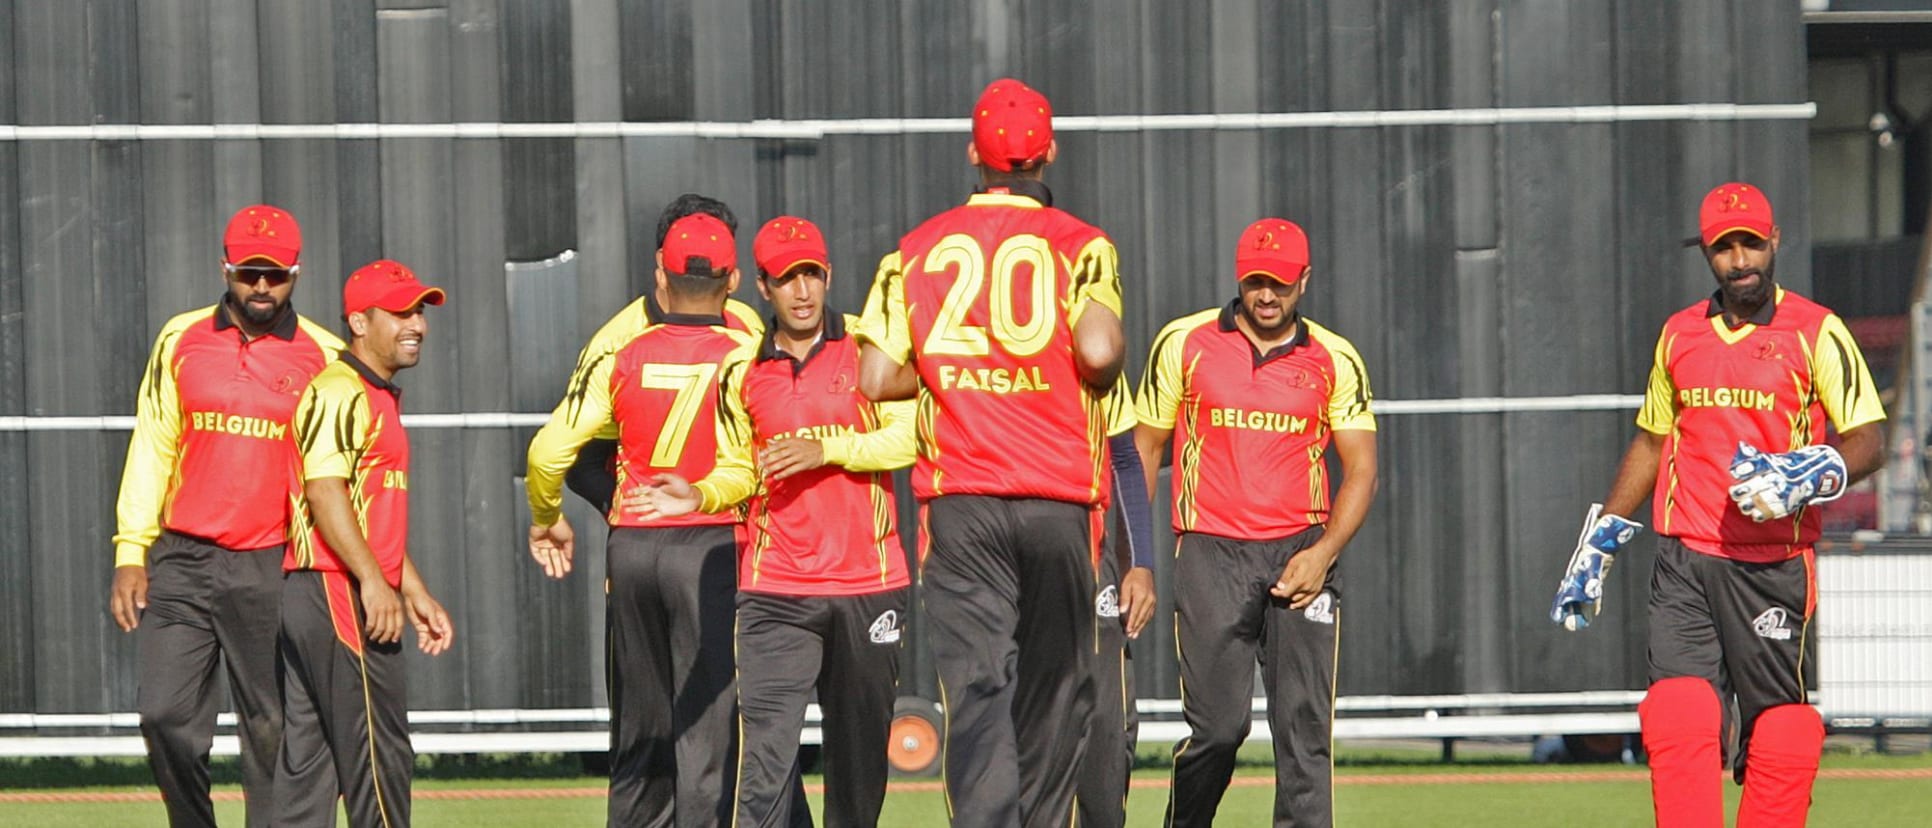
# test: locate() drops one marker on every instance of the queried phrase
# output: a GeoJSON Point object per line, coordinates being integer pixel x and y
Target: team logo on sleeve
{"type": "Point", "coordinates": [1771, 624]}
{"type": "Point", "coordinates": [1322, 609]}
{"type": "Point", "coordinates": [1107, 603]}
{"type": "Point", "coordinates": [885, 630]}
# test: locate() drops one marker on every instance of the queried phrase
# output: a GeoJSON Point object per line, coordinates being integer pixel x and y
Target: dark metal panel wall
{"type": "Point", "coordinates": [16, 565]}
{"type": "Point", "coordinates": [1526, 259]}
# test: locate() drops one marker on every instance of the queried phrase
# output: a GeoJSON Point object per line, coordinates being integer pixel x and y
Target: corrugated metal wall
{"type": "Point", "coordinates": [1518, 260]}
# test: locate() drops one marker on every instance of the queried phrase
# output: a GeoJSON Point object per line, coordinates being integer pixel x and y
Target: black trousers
{"type": "Point", "coordinates": [844, 646]}
{"type": "Point", "coordinates": [668, 626]}
{"type": "Point", "coordinates": [1114, 733]}
{"type": "Point", "coordinates": [209, 607]}
{"type": "Point", "coordinates": [1009, 587]}
{"type": "Point", "coordinates": [1225, 621]}
{"type": "Point", "coordinates": [345, 708]}
{"type": "Point", "coordinates": [1744, 627]}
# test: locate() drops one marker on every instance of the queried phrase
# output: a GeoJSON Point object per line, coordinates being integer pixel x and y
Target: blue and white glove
{"type": "Point", "coordinates": [1773, 486]}
{"type": "Point", "coordinates": [1596, 548]}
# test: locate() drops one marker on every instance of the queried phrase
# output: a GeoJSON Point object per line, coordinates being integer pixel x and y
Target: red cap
{"type": "Point", "coordinates": [388, 285]}
{"type": "Point", "coordinates": [1732, 207]}
{"type": "Point", "coordinates": [699, 234]}
{"type": "Point", "coordinates": [262, 232]}
{"type": "Point", "coordinates": [1012, 125]}
{"type": "Point", "coordinates": [787, 242]}
{"type": "Point", "coordinates": [1272, 247]}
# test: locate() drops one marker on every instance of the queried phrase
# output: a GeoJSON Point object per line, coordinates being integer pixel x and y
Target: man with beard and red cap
{"type": "Point", "coordinates": [1733, 449]}
{"type": "Point", "coordinates": [1254, 395]}
{"type": "Point", "coordinates": [203, 514]}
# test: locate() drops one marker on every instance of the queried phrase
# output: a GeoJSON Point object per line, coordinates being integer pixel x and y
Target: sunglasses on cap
{"type": "Point", "coordinates": [251, 274]}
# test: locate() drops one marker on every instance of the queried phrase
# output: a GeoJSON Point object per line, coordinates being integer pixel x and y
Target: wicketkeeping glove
{"type": "Point", "coordinates": [1772, 486]}
{"type": "Point", "coordinates": [1596, 549]}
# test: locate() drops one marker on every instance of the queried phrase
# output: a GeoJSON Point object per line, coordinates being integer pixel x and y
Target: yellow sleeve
{"type": "Point", "coordinates": [152, 451]}
{"type": "Point", "coordinates": [1841, 378]}
{"type": "Point", "coordinates": [1164, 381]}
{"type": "Point", "coordinates": [326, 339]}
{"type": "Point", "coordinates": [583, 412]}
{"type": "Point", "coordinates": [332, 426]}
{"type": "Point", "coordinates": [1659, 412]}
{"type": "Point", "coordinates": [885, 325]}
{"type": "Point", "coordinates": [1096, 279]}
{"type": "Point", "coordinates": [890, 445]}
{"type": "Point", "coordinates": [1350, 401]}
{"type": "Point", "coordinates": [1120, 410]}
{"type": "Point", "coordinates": [734, 475]}
{"type": "Point", "coordinates": [746, 315]}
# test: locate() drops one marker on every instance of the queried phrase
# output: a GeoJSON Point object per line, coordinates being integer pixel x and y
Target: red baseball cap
{"type": "Point", "coordinates": [1012, 125]}
{"type": "Point", "coordinates": [1732, 207]}
{"type": "Point", "coordinates": [262, 232]}
{"type": "Point", "coordinates": [389, 285]}
{"type": "Point", "coordinates": [1272, 247]}
{"type": "Point", "coordinates": [787, 242]}
{"type": "Point", "coordinates": [699, 234]}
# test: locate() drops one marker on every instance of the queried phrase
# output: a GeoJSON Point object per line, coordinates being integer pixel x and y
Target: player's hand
{"type": "Point", "coordinates": [129, 595]}
{"type": "Point", "coordinates": [1137, 599]}
{"type": "Point", "coordinates": [434, 631]}
{"type": "Point", "coordinates": [1774, 486]}
{"type": "Point", "coordinates": [552, 547]}
{"type": "Point", "coordinates": [1582, 585]}
{"type": "Point", "coordinates": [1301, 580]}
{"type": "Point", "coordinates": [784, 458]}
{"type": "Point", "coordinates": [668, 495]}
{"type": "Point", "coordinates": [382, 611]}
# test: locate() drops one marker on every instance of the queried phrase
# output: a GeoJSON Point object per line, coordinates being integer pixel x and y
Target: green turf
{"type": "Point", "coordinates": [1852, 803]}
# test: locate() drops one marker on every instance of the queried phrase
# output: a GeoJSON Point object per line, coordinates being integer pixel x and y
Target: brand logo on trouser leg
{"type": "Point", "coordinates": [1322, 609]}
{"type": "Point", "coordinates": [1771, 624]}
{"type": "Point", "coordinates": [885, 630]}
{"type": "Point", "coordinates": [1107, 603]}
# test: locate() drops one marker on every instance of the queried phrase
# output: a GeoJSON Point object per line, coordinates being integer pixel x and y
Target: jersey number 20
{"type": "Point", "coordinates": [951, 334]}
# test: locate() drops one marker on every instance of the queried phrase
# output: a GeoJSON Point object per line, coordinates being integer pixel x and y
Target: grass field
{"type": "Point", "coordinates": [1379, 789]}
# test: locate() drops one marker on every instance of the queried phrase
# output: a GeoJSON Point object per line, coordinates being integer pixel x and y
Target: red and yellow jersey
{"type": "Point", "coordinates": [210, 455]}
{"type": "Point", "coordinates": [642, 313]}
{"type": "Point", "coordinates": [982, 299]}
{"type": "Point", "coordinates": [1250, 430]}
{"type": "Point", "coordinates": [829, 530]}
{"type": "Point", "coordinates": [349, 427]}
{"type": "Point", "coordinates": [1773, 382]}
{"type": "Point", "coordinates": [660, 391]}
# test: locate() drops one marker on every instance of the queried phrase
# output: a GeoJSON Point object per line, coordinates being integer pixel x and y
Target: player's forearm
{"type": "Point", "coordinates": [334, 517]}
{"type": "Point", "coordinates": [1360, 481]}
{"type": "Point", "coordinates": [151, 454]}
{"type": "Point", "coordinates": [893, 445]}
{"type": "Point", "coordinates": [412, 580]}
{"type": "Point", "coordinates": [1130, 494]}
{"type": "Point", "coordinates": [549, 458]}
{"type": "Point", "coordinates": [1151, 442]}
{"type": "Point", "coordinates": [1636, 475]}
{"type": "Point", "coordinates": [1864, 451]}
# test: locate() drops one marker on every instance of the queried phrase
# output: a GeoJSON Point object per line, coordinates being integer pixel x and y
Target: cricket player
{"type": "Point", "coordinates": [672, 580]}
{"type": "Point", "coordinates": [1002, 317]}
{"type": "Point", "coordinates": [1732, 449]}
{"type": "Point", "coordinates": [351, 586]}
{"type": "Point", "coordinates": [822, 582]}
{"type": "Point", "coordinates": [203, 516]}
{"type": "Point", "coordinates": [1253, 395]}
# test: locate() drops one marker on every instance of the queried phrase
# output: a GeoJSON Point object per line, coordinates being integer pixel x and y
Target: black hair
{"type": "Point", "coordinates": [692, 204]}
{"type": "Point", "coordinates": [696, 285]}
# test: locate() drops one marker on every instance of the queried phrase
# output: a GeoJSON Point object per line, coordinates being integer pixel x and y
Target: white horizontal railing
{"type": "Point", "coordinates": [813, 129]}
{"type": "Point", "coordinates": [504, 419]}
{"type": "Point", "coordinates": [1424, 723]}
